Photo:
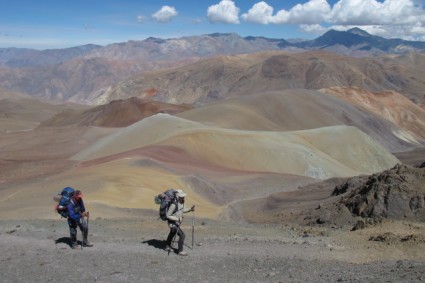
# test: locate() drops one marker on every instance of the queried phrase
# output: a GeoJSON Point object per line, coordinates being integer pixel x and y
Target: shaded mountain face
{"type": "Point", "coordinates": [82, 73]}
{"type": "Point", "coordinates": [58, 83]}
{"type": "Point", "coordinates": [390, 106]}
{"type": "Point", "coordinates": [148, 50]}
{"type": "Point", "coordinates": [358, 40]}
{"type": "Point", "coordinates": [222, 77]}
{"type": "Point", "coordinates": [24, 57]}
{"type": "Point", "coordinates": [390, 118]}
{"type": "Point", "coordinates": [174, 49]}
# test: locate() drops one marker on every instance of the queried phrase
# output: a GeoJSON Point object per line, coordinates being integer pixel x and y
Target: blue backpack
{"type": "Point", "coordinates": [63, 199]}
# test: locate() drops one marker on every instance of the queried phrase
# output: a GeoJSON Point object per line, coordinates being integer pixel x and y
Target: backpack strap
{"type": "Point", "coordinates": [77, 208]}
{"type": "Point", "coordinates": [176, 204]}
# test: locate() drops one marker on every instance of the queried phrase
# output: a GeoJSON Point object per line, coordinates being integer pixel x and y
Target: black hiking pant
{"type": "Point", "coordinates": [82, 224]}
{"type": "Point", "coordinates": [174, 229]}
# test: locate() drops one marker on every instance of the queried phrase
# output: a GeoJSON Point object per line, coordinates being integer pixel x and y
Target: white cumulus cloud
{"type": "Point", "coordinates": [261, 13]}
{"type": "Point", "coordinates": [312, 12]}
{"type": "Point", "coordinates": [389, 18]}
{"type": "Point", "coordinates": [372, 12]}
{"type": "Point", "coordinates": [314, 29]}
{"type": "Point", "coordinates": [165, 14]}
{"type": "Point", "coordinates": [224, 12]}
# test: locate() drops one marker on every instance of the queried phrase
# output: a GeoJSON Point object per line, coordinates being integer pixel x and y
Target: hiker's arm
{"type": "Point", "coordinates": [170, 211]}
{"type": "Point", "coordinates": [186, 210]}
{"type": "Point", "coordinates": [83, 208]}
{"type": "Point", "coordinates": [72, 214]}
{"type": "Point", "coordinates": [84, 213]}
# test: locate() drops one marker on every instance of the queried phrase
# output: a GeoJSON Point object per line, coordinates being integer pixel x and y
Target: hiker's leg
{"type": "Point", "coordinates": [84, 229]}
{"type": "Point", "coordinates": [72, 230]}
{"type": "Point", "coordinates": [173, 231]}
{"type": "Point", "coordinates": [181, 239]}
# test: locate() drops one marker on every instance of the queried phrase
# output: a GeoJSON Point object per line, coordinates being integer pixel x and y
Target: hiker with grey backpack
{"type": "Point", "coordinates": [174, 216]}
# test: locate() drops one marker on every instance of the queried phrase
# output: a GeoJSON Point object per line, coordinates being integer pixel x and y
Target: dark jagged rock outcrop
{"type": "Point", "coordinates": [397, 193]}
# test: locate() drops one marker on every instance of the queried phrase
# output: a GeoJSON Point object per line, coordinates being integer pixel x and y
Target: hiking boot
{"type": "Point", "coordinates": [74, 246]}
{"type": "Point", "coordinates": [87, 244]}
{"type": "Point", "coordinates": [167, 248]}
{"type": "Point", "coordinates": [182, 253]}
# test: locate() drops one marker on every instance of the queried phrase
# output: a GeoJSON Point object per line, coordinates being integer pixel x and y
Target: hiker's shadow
{"type": "Point", "coordinates": [155, 243]}
{"type": "Point", "coordinates": [65, 240]}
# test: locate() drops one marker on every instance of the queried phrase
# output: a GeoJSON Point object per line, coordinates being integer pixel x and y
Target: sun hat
{"type": "Point", "coordinates": [180, 194]}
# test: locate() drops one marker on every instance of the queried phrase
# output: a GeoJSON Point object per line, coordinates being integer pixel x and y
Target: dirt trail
{"type": "Point", "coordinates": [131, 250]}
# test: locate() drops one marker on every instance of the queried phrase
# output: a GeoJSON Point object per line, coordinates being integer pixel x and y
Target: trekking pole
{"type": "Point", "coordinates": [82, 237]}
{"type": "Point", "coordinates": [82, 233]}
{"type": "Point", "coordinates": [193, 227]}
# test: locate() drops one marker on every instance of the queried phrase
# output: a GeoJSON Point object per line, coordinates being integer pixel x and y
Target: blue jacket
{"type": "Point", "coordinates": [75, 208]}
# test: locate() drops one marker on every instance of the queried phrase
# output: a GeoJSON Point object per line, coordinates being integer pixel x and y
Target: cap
{"type": "Point", "coordinates": [180, 194]}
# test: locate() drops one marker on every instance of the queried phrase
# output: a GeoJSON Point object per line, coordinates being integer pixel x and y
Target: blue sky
{"type": "Point", "coordinates": [46, 24]}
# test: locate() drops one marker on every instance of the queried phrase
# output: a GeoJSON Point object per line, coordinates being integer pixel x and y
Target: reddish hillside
{"type": "Point", "coordinates": [390, 105]}
{"type": "Point", "coordinates": [118, 113]}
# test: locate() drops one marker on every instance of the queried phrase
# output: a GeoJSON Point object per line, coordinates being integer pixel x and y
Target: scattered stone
{"type": "Point", "coordinates": [359, 225]}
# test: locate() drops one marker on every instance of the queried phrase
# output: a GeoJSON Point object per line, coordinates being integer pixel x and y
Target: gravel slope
{"type": "Point", "coordinates": [130, 250]}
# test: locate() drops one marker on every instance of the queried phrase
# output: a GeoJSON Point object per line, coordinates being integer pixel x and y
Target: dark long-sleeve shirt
{"type": "Point", "coordinates": [75, 208]}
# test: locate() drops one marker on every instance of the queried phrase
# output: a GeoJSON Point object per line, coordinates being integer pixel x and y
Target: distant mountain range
{"type": "Point", "coordinates": [359, 42]}
{"type": "Point", "coordinates": [355, 42]}
{"type": "Point", "coordinates": [82, 73]}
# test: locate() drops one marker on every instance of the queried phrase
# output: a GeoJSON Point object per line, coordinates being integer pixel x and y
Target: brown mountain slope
{"type": "Point", "coordinates": [7, 94]}
{"type": "Point", "coordinates": [69, 80]}
{"type": "Point", "coordinates": [215, 166]}
{"type": "Point", "coordinates": [22, 112]}
{"type": "Point", "coordinates": [293, 110]}
{"type": "Point", "coordinates": [304, 153]}
{"type": "Point", "coordinates": [119, 113]}
{"type": "Point", "coordinates": [76, 80]}
{"type": "Point", "coordinates": [414, 61]}
{"type": "Point", "coordinates": [389, 105]}
{"type": "Point", "coordinates": [225, 76]}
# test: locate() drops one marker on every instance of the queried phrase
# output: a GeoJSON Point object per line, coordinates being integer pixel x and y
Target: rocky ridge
{"type": "Point", "coordinates": [397, 194]}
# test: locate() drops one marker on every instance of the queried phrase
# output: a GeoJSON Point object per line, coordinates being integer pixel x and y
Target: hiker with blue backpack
{"type": "Point", "coordinates": [76, 214]}
{"type": "Point", "coordinates": [174, 217]}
